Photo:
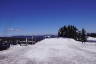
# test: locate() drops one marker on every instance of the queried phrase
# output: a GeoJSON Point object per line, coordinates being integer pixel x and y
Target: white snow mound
{"type": "Point", "coordinates": [61, 51]}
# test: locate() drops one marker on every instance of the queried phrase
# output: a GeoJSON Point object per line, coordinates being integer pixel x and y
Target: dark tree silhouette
{"type": "Point", "coordinates": [91, 34]}
{"type": "Point", "coordinates": [68, 31]}
{"type": "Point", "coordinates": [83, 36]}
{"type": "Point", "coordinates": [79, 35]}
{"type": "Point", "coordinates": [71, 31]}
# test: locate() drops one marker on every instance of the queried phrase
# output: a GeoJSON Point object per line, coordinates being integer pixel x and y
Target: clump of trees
{"type": "Point", "coordinates": [91, 34]}
{"type": "Point", "coordinates": [71, 31]}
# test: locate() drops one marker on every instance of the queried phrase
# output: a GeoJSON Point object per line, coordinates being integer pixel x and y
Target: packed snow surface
{"type": "Point", "coordinates": [51, 51]}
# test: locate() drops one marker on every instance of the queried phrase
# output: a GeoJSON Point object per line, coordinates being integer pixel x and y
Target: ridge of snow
{"type": "Point", "coordinates": [67, 50]}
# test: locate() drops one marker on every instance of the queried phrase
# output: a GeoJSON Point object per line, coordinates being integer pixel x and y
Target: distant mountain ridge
{"type": "Point", "coordinates": [36, 36]}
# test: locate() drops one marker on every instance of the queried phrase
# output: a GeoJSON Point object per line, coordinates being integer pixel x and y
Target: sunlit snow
{"type": "Point", "coordinates": [51, 51]}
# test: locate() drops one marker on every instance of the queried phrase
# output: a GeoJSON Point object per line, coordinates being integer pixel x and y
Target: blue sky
{"type": "Point", "coordinates": [19, 17]}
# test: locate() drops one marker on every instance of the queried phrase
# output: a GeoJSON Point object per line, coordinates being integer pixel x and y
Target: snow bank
{"type": "Point", "coordinates": [61, 51]}
{"type": "Point", "coordinates": [91, 38]}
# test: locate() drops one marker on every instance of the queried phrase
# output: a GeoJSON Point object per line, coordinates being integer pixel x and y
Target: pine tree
{"type": "Point", "coordinates": [68, 31]}
{"type": "Point", "coordinates": [79, 35]}
{"type": "Point", "coordinates": [83, 36]}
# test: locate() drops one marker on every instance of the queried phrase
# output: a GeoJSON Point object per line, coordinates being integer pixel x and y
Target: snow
{"type": "Point", "coordinates": [51, 51]}
{"type": "Point", "coordinates": [60, 51]}
{"type": "Point", "coordinates": [91, 38]}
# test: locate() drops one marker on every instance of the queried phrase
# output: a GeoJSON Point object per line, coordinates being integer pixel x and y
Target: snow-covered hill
{"type": "Point", "coordinates": [51, 51]}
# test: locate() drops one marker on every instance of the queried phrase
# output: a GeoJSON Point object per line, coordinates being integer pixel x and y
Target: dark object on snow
{"type": "Point", "coordinates": [83, 36]}
{"type": "Point", "coordinates": [4, 46]}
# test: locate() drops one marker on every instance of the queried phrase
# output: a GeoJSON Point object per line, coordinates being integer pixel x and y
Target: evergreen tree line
{"type": "Point", "coordinates": [71, 31]}
{"type": "Point", "coordinates": [91, 34]}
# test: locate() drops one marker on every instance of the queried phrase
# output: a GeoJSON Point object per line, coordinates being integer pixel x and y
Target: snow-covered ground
{"type": "Point", "coordinates": [51, 51]}
{"type": "Point", "coordinates": [91, 38]}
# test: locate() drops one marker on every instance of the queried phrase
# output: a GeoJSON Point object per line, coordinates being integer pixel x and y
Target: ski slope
{"type": "Point", "coordinates": [51, 51]}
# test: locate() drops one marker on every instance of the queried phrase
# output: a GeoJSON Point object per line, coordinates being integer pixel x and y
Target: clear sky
{"type": "Point", "coordinates": [45, 16]}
